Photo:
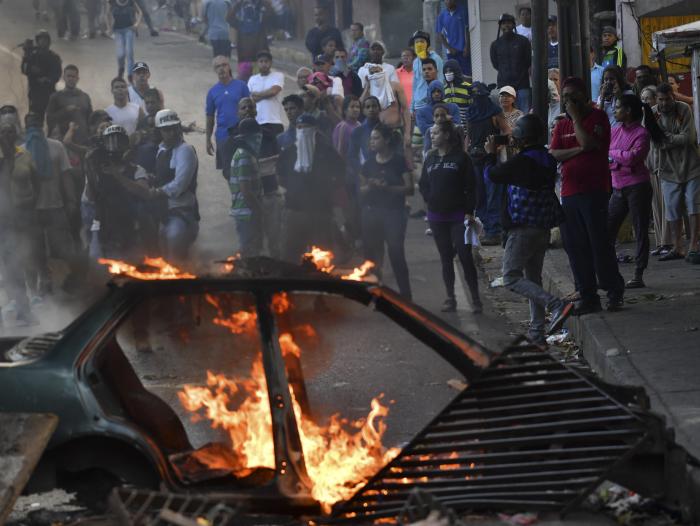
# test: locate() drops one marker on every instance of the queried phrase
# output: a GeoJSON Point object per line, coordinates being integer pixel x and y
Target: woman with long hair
{"type": "Point", "coordinates": [448, 187]}
{"type": "Point", "coordinates": [352, 109]}
{"type": "Point", "coordinates": [612, 88]}
{"type": "Point", "coordinates": [385, 181]}
{"type": "Point", "coordinates": [632, 190]}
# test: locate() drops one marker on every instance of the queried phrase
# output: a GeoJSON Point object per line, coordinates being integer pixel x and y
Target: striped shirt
{"type": "Point", "coordinates": [244, 167]}
{"type": "Point", "coordinates": [461, 95]}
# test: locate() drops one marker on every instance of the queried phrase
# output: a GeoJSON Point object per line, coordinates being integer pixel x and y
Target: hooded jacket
{"type": "Point", "coordinates": [511, 56]}
{"type": "Point", "coordinates": [424, 115]}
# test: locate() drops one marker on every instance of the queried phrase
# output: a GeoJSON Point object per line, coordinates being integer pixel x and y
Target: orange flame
{"type": "Point", "coordinates": [338, 461]}
{"type": "Point", "coordinates": [359, 273]}
{"type": "Point", "coordinates": [323, 260]}
{"type": "Point", "coordinates": [230, 262]}
{"type": "Point", "coordinates": [162, 269]}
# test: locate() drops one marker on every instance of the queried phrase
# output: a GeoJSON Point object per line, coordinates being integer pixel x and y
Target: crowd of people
{"type": "Point", "coordinates": [122, 181]}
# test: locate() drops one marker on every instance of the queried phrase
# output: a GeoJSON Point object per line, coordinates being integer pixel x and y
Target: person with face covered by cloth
{"type": "Point", "coordinates": [420, 42]}
{"type": "Point", "coordinates": [530, 210]}
{"type": "Point", "coordinates": [18, 222]}
{"type": "Point", "coordinates": [43, 70]}
{"type": "Point", "coordinates": [457, 89]}
{"type": "Point", "coordinates": [172, 192]}
{"type": "Point", "coordinates": [309, 171]}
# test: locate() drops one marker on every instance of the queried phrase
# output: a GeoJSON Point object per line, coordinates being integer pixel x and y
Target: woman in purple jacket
{"type": "Point", "coordinates": [632, 193]}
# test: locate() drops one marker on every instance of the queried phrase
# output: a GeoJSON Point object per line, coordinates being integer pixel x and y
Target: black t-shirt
{"type": "Point", "coordinates": [123, 12]}
{"type": "Point", "coordinates": [391, 173]}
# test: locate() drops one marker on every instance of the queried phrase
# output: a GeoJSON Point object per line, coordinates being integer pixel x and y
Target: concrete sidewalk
{"type": "Point", "coordinates": [654, 342]}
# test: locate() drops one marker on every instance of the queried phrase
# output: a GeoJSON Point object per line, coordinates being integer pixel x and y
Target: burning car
{"type": "Point", "coordinates": [219, 383]}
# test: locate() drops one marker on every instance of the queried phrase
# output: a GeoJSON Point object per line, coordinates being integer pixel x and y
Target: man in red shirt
{"type": "Point", "coordinates": [581, 142]}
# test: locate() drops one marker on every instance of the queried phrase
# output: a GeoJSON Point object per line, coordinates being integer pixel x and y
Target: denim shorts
{"type": "Point", "coordinates": [677, 193]}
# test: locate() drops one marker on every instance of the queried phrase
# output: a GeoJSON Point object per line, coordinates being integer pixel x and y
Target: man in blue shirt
{"type": "Point", "coordinates": [596, 76]}
{"type": "Point", "coordinates": [452, 26]}
{"type": "Point", "coordinates": [214, 17]}
{"type": "Point", "coordinates": [222, 105]}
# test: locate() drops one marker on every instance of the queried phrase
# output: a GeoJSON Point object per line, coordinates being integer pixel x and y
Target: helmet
{"type": "Point", "coordinates": [506, 17]}
{"type": "Point", "coordinates": [116, 140]}
{"type": "Point", "coordinates": [529, 127]}
{"type": "Point", "coordinates": [42, 34]}
{"type": "Point", "coordinates": [419, 34]}
{"type": "Point", "coordinates": [165, 118]}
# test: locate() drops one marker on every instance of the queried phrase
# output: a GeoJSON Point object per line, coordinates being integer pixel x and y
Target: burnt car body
{"type": "Point", "coordinates": [108, 420]}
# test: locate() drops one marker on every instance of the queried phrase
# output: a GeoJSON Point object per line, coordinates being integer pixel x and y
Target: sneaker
{"type": "Point", "coordinates": [450, 305]}
{"type": "Point", "coordinates": [428, 232]}
{"type": "Point", "coordinates": [154, 33]}
{"type": "Point", "coordinates": [559, 316]}
{"type": "Point", "coordinates": [693, 257]}
{"type": "Point", "coordinates": [635, 283]}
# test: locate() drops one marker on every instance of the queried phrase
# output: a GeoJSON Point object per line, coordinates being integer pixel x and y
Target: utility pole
{"type": "Point", "coordinates": [540, 88]}
{"type": "Point", "coordinates": [574, 40]}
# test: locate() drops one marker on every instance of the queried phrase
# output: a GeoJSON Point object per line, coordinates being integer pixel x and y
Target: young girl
{"type": "Point", "coordinates": [448, 188]}
{"type": "Point", "coordinates": [384, 184]}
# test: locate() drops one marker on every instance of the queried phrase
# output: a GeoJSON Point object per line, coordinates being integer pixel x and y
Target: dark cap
{"type": "Point", "coordinates": [506, 17]}
{"type": "Point", "coordinates": [419, 34]}
{"type": "Point", "coordinates": [609, 29]}
{"type": "Point", "coordinates": [264, 54]}
{"type": "Point", "coordinates": [321, 59]}
{"type": "Point", "coordinates": [552, 19]}
{"type": "Point", "coordinates": [140, 65]}
{"type": "Point", "coordinates": [306, 118]}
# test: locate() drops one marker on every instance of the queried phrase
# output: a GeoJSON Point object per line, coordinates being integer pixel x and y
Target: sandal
{"type": "Point", "coordinates": [672, 255]}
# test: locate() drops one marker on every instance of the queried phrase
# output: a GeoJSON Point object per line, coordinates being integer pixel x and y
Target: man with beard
{"type": "Point", "coordinates": [643, 77]}
{"type": "Point", "coordinates": [309, 171]}
{"type": "Point", "coordinates": [511, 56]}
{"type": "Point", "coordinates": [43, 70]}
{"type": "Point", "coordinates": [18, 224]}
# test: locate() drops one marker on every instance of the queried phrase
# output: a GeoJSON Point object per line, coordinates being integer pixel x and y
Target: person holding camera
{"type": "Point", "coordinates": [43, 70]}
{"type": "Point", "coordinates": [531, 209]}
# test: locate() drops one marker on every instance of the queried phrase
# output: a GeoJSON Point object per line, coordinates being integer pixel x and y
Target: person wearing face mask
{"type": "Point", "coordinates": [420, 42]}
{"type": "Point", "coordinates": [531, 209]}
{"type": "Point", "coordinates": [352, 85]}
{"type": "Point", "coordinates": [457, 90]}
{"type": "Point", "coordinates": [309, 170]}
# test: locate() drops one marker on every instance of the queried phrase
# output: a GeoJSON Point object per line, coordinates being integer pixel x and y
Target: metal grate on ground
{"type": "Point", "coordinates": [530, 433]}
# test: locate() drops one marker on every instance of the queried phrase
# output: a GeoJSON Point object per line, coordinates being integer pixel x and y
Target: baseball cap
{"type": "Point", "coordinates": [510, 90]}
{"type": "Point", "coordinates": [506, 17]}
{"type": "Point", "coordinates": [140, 65]}
{"type": "Point", "coordinates": [610, 30]}
{"type": "Point", "coordinates": [552, 19]}
{"type": "Point", "coordinates": [321, 59]}
{"type": "Point", "coordinates": [165, 118]}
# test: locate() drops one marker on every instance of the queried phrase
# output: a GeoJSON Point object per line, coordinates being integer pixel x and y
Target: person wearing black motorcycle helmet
{"type": "Point", "coordinates": [113, 226]}
{"type": "Point", "coordinates": [530, 211]}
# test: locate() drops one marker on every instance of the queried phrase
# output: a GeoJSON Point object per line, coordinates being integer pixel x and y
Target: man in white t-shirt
{"type": "Point", "coordinates": [126, 114]}
{"type": "Point", "coordinates": [376, 56]}
{"type": "Point", "coordinates": [525, 26]}
{"type": "Point", "coordinates": [266, 90]}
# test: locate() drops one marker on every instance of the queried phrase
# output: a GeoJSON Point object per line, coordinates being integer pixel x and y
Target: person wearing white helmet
{"type": "Point", "coordinates": [171, 192]}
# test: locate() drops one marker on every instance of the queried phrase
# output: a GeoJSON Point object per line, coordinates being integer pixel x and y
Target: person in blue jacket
{"type": "Point", "coordinates": [424, 115]}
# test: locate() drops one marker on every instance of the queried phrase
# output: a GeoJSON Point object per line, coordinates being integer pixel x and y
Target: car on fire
{"type": "Point", "coordinates": [126, 378]}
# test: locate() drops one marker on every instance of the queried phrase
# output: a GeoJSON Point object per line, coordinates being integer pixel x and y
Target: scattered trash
{"type": "Point", "coordinates": [558, 338]}
{"type": "Point", "coordinates": [630, 509]}
{"type": "Point", "coordinates": [498, 282]}
{"type": "Point", "coordinates": [519, 519]}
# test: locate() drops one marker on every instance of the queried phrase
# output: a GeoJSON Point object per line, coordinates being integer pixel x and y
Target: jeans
{"type": "Point", "coordinates": [178, 234]}
{"type": "Point", "coordinates": [449, 240]}
{"type": "Point", "coordinates": [221, 47]}
{"type": "Point", "coordinates": [17, 251]}
{"type": "Point", "coordinates": [591, 254]}
{"type": "Point", "coordinates": [387, 225]}
{"type": "Point", "coordinates": [524, 100]}
{"type": "Point", "coordinates": [523, 258]}
{"type": "Point", "coordinates": [495, 194]}
{"type": "Point", "coordinates": [250, 235]}
{"type": "Point", "coordinates": [124, 39]}
{"type": "Point", "coordinates": [635, 200]}
{"type": "Point", "coordinates": [55, 240]}
{"type": "Point", "coordinates": [67, 15]}
{"type": "Point", "coordinates": [94, 10]}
